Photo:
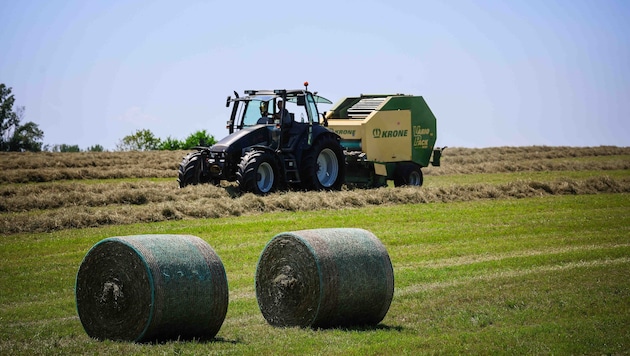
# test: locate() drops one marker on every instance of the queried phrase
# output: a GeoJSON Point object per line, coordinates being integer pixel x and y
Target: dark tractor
{"type": "Point", "coordinates": [276, 142]}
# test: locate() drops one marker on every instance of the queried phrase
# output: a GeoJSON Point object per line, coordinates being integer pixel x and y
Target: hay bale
{"type": "Point", "coordinates": [324, 278]}
{"type": "Point", "coordinates": [151, 287]}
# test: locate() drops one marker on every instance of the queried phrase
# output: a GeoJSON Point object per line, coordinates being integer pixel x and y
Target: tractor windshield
{"type": "Point", "coordinates": [255, 109]}
{"type": "Point", "coordinates": [262, 107]}
{"type": "Point", "coordinates": [256, 106]}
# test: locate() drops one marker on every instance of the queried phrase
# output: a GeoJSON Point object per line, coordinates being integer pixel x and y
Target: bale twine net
{"type": "Point", "coordinates": [151, 287]}
{"type": "Point", "coordinates": [324, 278]}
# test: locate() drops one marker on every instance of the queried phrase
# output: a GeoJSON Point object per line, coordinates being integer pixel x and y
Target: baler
{"type": "Point", "coordinates": [385, 137]}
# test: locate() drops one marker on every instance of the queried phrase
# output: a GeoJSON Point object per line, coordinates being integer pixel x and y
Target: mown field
{"type": "Point", "coordinates": [509, 250]}
{"type": "Point", "coordinates": [44, 192]}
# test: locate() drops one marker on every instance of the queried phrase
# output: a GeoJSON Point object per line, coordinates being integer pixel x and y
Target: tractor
{"type": "Point", "coordinates": [275, 142]}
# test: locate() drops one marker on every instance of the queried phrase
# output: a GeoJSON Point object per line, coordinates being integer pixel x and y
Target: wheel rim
{"type": "Point", "coordinates": [327, 167]}
{"type": "Point", "coordinates": [414, 178]}
{"type": "Point", "coordinates": [265, 177]}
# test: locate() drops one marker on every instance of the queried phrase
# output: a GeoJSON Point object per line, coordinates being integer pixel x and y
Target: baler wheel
{"type": "Point", "coordinates": [408, 174]}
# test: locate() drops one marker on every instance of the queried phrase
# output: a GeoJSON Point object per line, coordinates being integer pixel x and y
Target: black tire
{"type": "Point", "coordinates": [191, 171]}
{"type": "Point", "coordinates": [408, 174]}
{"type": "Point", "coordinates": [258, 173]}
{"type": "Point", "coordinates": [323, 165]}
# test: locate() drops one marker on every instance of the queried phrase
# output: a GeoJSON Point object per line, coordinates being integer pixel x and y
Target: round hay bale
{"type": "Point", "coordinates": [324, 278]}
{"type": "Point", "coordinates": [151, 287]}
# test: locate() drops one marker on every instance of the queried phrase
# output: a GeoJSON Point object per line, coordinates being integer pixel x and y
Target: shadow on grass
{"type": "Point", "coordinates": [220, 340]}
{"type": "Point", "coordinates": [366, 328]}
{"type": "Point", "coordinates": [233, 191]}
{"type": "Point", "coordinates": [214, 340]}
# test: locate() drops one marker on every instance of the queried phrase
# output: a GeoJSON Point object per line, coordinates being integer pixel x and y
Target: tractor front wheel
{"type": "Point", "coordinates": [191, 170]}
{"type": "Point", "coordinates": [258, 173]}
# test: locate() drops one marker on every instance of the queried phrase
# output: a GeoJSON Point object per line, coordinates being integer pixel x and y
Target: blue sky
{"type": "Point", "coordinates": [495, 73]}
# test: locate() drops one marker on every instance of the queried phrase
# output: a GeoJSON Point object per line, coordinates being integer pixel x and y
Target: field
{"type": "Point", "coordinates": [508, 250]}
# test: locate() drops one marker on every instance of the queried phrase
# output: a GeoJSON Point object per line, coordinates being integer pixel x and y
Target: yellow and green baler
{"type": "Point", "coordinates": [385, 137]}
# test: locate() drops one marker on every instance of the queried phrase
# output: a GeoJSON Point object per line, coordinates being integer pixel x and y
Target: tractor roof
{"type": "Point", "coordinates": [266, 95]}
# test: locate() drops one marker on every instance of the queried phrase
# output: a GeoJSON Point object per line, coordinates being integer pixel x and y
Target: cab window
{"type": "Point", "coordinates": [252, 113]}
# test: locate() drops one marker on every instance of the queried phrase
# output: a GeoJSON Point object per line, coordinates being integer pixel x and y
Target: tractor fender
{"type": "Point", "coordinates": [257, 148]}
{"type": "Point", "coordinates": [317, 130]}
{"type": "Point", "coordinates": [263, 148]}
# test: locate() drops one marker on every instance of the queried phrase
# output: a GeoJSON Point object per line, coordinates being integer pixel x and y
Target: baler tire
{"type": "Point", "coordinates": [258, 173]}
{"type": "Point", "coordinates": [323, 165]}
{"type": "Point", "coordinates": [190, 170]}
{"type": "Point", "coordinates": [408, 174]}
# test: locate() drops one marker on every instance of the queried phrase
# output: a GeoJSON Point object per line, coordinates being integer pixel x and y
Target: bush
{"type": "Point", "coordinates": [69, 148]}
{"type": "Point", "coordinates": [95, 148]}
{"type": "Point", "coordinates": [171, 144]}
{"type": "Point", "coordinates": [199, 138]}
{"type": "Point", "coordinates": [141, 140]}
{"type": "Point", "coordinates": [144, 140]}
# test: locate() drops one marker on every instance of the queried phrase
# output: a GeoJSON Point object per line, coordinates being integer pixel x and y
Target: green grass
{"type": "Point", "coordinates": [516, 276]}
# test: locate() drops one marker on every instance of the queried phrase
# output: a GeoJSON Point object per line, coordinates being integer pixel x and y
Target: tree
{"type": "Point", "coordinates": [8, 118]}
{"type": "Point", "coordinates": [13, 135]}
{"type": "Point", "coordinates": [26, 137]}
{"type": "Point", "coordinates": [171, 144]}
{"type": "Point", "coordinates": [141, 140]}
{"type": "Point", "coordinates": [199, 138]}
{"type": "Point", "coordinates": [95, 148]}
{"type": "Point", "coordinates": [66, 148]}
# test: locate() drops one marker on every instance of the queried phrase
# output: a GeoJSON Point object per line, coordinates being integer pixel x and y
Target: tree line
{"type": "Point", "coordinates": [145, 140]}
{"type": "Point", "coordinates": [18, 137]}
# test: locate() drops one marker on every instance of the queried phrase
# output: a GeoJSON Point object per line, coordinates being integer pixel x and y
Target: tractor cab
{"type": "Point", "coordinates": [280, 109]}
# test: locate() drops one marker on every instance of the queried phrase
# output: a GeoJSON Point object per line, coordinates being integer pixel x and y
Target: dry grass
{"type": "Point", "coordinates": [40, 167]}
{"type": "Point", "coordinates": [531, 159]}
{"type": "Point", "coordinates": [48, 166]}
{"type": "Point", "coordinates": [77, 206]}
{"type": "Point", "coordinates": [59, 160]}
{"type": "Point", "coordinates": [59, 196]}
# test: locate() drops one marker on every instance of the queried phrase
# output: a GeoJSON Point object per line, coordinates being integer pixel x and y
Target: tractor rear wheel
{"type": "Point", "coordinates": [191, 170]}
{"type": "Point", "coordinates": [258, 172]}
{"type": "Point", "coordinates": [323, 166]}
{"type": "Point", "coordinates": [408, 174]}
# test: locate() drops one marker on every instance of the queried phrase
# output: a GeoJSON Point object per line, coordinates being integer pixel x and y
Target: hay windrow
{"type": "Point", "coordinates": [25, 167]}
{"type": "Point", "coordinates": [57, 196]}
{"type": "Point", "coordinates": [60, 160]}
{"type": "Point", "coordinates": [135, 203]}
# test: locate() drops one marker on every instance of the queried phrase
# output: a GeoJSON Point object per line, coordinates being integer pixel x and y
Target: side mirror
{"type": "Point", "coordinates": [227, 102]}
